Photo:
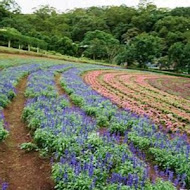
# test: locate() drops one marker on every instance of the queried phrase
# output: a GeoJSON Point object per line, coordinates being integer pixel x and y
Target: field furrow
{"type": "Point", "coordinates": [21, 171]}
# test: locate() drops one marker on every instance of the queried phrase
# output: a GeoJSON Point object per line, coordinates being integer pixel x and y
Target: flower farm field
{"type": "Point", "coordinates": [91, 127]}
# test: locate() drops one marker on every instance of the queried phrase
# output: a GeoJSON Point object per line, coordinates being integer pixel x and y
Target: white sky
{"type": "Point", "coordinates": [64, 5]}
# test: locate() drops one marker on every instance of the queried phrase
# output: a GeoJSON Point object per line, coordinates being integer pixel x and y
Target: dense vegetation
{"type": "Point", "coordinates": [135, 36]}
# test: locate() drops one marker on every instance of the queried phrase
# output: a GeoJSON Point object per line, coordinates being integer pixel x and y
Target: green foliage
{"type": "Point", "coordinates": [94, 140]}
{"type": "Point", "coordinates": [64, 103]}
{"type": "Point", "coordinates": [145, 48]}
{"type": "Point", "coordinates": [10, 5]}
{"type": "Point", "coordinates": [12, 34]}
{"type": "Point", "coordinates": [104, 41]}
{"type": "Point", "coordinates": [82, 181]}
{"type": "Point", "coordinates": [91, 111]}
{"type": "Point", "coordinates": [44, 139]}
{"type": "Point", "coordinates": [160, 185]}
{"type": "Point", "coordinates": [3, 132]}
{"type": "Point", "coordinates": [102, 121]}
{"type": "Point", "coordinates": [117, 34]}
{"type": "Point", "coordinates": [3, 100]}
{"type": "Point", "coordinates": [66, 46]}
{"type": "Point", "coordinates": [142, 143]}
{"type": "Point", "coordinates": [28, 147]}
{"type": "Point", "coordinates": [120, 127]}
{"type": "Point", "coordinates": [179, 56]}
{"type": "Point", "coordinates": [78, 101]}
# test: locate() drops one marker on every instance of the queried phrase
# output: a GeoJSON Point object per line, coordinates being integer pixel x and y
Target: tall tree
{"type": "Point", "coordinates": [99, 45]}
{"type": "Point", "coordinates": [145, 48]}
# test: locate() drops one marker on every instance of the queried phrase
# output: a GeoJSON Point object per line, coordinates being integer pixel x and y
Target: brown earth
{"type": "Point", "coordinates": [23, 171]}
{"type": "Point", "coordinates": [58, 84]}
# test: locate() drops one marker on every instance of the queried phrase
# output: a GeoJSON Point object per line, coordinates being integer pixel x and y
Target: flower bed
{"type": "Point", "coordinates": [121, 89]}
{"type": "Point", "coordinates": [82, 158]}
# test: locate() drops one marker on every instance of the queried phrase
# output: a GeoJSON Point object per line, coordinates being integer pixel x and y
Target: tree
{"type": "Point", "coordinates": [126, 56]}
{"type": "Point", "coordinates": [100, 45]}
{"type": "Point", "coordinates": [172, 24]}
{"type": "Point", "coordinates": [130, 34]}
{"type": "Point", "coordinates": [164, 62]}
{"type": "Point", "coordinates": [11, 5]}
{"type": "Point", "coordinates": [180, 57]}
{"type": "Point", "coordinates": [145, 48]}
{"type": "Point", "coordinates": [181, 11]}
{"type": "Point", "coordinates": [10, 34]}
{"type": "Point", "coordinates": [115, 34]}
{"type": "Point", "coordinates": [176, 55]}
{"type": "Point", "coordinates": [66, 46]}
{"type": "Point", "coordinates": [187, 57]}
{"type": "Point", "coordinates": [45, 11]}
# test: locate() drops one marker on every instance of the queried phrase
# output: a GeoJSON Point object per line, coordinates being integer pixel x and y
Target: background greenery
{"type": "Point", "coordinates": [123, 35]}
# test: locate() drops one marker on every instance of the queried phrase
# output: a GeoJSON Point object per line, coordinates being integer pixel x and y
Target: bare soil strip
{"type": "Point", "coordinates": [23, 171]}
{"type": "Point", "coordinates": [58, 85]}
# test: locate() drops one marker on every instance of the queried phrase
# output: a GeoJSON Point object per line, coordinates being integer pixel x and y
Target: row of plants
{"type": "Point", "coordinates": [139, 81]}
{"type": "Point", "coordinates": [172, 113]}
{"type": "Point", "coordinates": [138, 101]}
{"type": "Point", "coordinates": [45, 82]}
{"type": "Point", "coordinates": [9, 78]}
{"type": "Point", "coordinates": [117, 121]}
{"type": "Point", "coordinates": [175, 86]}
{"type": "Point", "coordinates": [82, 158]}
{"type": "Point", "coordinates": [177, 146]}
{"type": "Point", "coordinates": [15, 60]}
{"type": "Point", "coordinates": [3, 131]}
{"type": "Point", "coordinates": [169, 152]}
{"type": "Point", "coordinates": [11, 34]}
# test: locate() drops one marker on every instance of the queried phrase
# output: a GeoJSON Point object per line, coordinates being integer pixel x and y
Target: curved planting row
{"type": "Point", "coordinates": [140, 81]}
{"type": "Point", "coordinates": [176, 86]}
{"type": "Point", "coordinates": [14, 60]}
{"type": "Point", "coordinates": [126, 91]}
{"type": "Point", "coordinates": [123, 122]}
{"type": "Point", "coordinates": [169, 152]}
{"type": "Point", "coordinates": [9, 78]}
{"type": "Point", "coordinates": [46, 84]}
{"type": "Point", "coordinates": [82, 158]}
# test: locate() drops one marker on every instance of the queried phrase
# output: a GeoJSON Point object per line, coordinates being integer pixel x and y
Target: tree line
{"type": "Point", "coordinates": [117, 34]}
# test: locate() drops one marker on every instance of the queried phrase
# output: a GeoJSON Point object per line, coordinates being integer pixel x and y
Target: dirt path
{"type": "Point", "coordinates": [58, 84]}
{"type": "Point", "coordinates": [23, 171]}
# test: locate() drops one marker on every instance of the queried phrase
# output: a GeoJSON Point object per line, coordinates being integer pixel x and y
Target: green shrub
{"type": "Point", "coordinates": [11, 95]}
{"type": "Point", "coordinates": [44, 139]}
{"type": "Point", "coordinates": [64, 103]}
{"type": "Point", "coordinates": [120, 127]}
{"type": "Point", "coordinates": [140, 142]}
{"type": "Point", "coordinates": [3, 100]}
{"type": "Point", "coordinates": [91, 111]}
{"type": "Point", "coordinates": [28, 147]}
{"type": "Point", "coordinates": [102, 121]}
{"type": "Point", "coordinates": [3, 132]}
{"type": "Point", "coordinates": [73, 182]}
{"type": "Point", "coordinates": [77, 100]}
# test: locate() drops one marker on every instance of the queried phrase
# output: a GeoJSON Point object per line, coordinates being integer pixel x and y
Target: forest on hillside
{"type": "Point", "coordinates": [136, 36]}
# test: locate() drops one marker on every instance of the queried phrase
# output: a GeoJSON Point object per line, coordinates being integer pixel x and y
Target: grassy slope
{"type": "Point", "coordinates": [6, 50]}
